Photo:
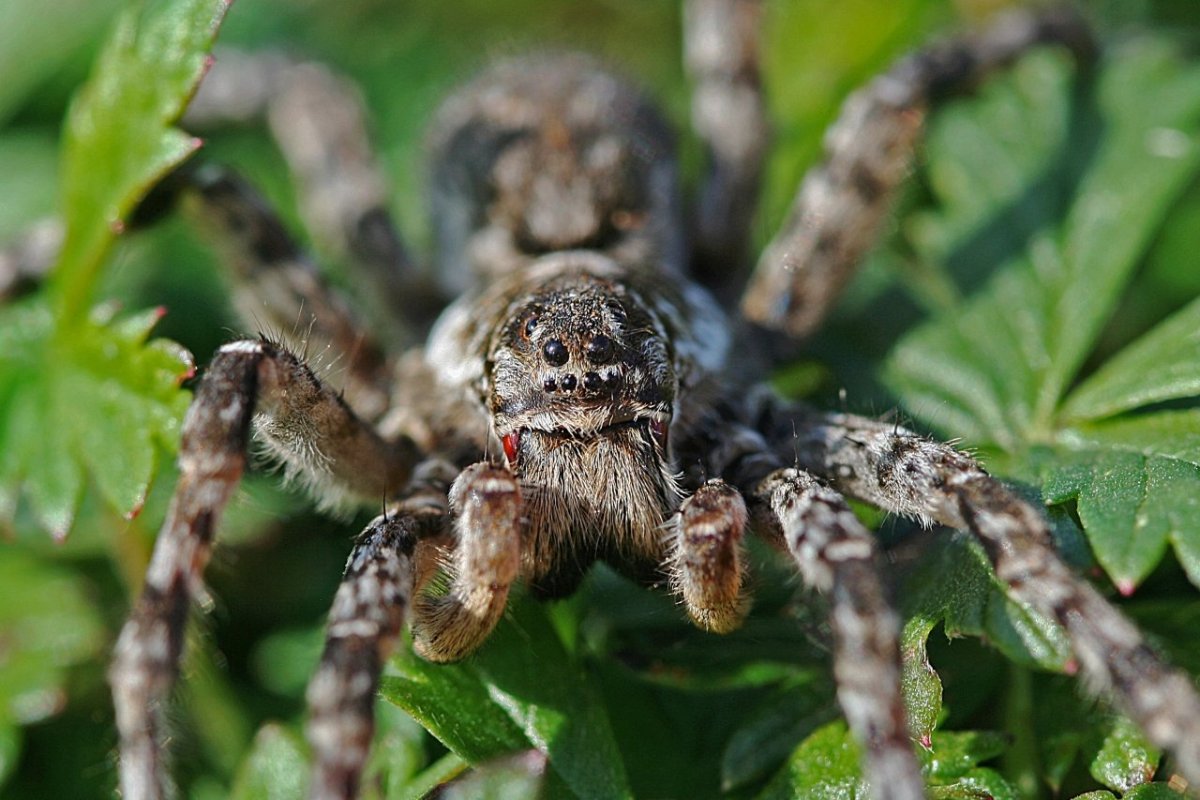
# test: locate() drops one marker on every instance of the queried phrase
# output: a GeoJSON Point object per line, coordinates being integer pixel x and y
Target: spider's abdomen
{"type": "Point", "coordinates": [546, 154]}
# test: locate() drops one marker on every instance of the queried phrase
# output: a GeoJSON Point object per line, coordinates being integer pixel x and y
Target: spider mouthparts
{"type": "Point", "coordinates": [658, 431]}
{"type": "Point", "coordinates": [512, 446]}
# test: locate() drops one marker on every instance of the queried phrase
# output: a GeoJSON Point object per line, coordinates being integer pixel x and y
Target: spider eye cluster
{"type": "Point", "coordinates": [598, 350]}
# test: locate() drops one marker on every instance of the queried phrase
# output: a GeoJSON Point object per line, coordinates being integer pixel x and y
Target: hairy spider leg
{"type": "Point", "coordinates": [721, 41]}
{"type": "Point", "coordinates": [310, 428]}
{"type": "Point", "coordinates": [278, 289]}
{"type": "Point", "coordinates": [843, 202]}
{"type": "Point", "coordinates": [837, 555]}
{"type": "Point", "coordinates": [909, 474]}
{"type": "Point", "coordinates": [320, 124]}
{"type": "Point", "coordinates": [367, 616]}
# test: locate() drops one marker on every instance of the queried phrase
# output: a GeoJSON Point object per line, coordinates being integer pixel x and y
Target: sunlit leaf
{"type": "Point", "coordinates": [275, 769]}
{"type": "Point", "coordinates": [996, 368]}
{"type": "Point", "coordinates": [120, 135]}
{"type": "Point", "coordinates": [105, 403]}
{"type": "Point", "coordinates": [1162, 365]}
{"type": "Point", "coordinates": [1125, 759]}
{"type": "Point", "coordinates": [1136, 485]}
{"type": "Point", "coordinates": [823, 767]}
{"type": "Point", "coordinates": [522, 689]}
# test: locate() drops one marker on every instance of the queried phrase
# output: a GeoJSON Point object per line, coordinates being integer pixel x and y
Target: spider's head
{"type": "Point", "coordinates": [582, 359]}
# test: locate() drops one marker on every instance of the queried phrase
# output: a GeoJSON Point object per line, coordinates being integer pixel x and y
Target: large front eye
{"type": "Point", "coordinates": [600, 349]}
{"type": "Point", "coordinates": [555, 353]}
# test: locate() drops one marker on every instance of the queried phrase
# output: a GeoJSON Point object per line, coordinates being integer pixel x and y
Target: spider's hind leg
{"type": "Point", "coordinates": [307, 425]}
{"type": "Point", "coordinates": [722, 55]}
{"type": "Point", "coordinates": [277, 288]}
{"type": "Point", "coordinates": [911, 475]}
{"type": "Point", "coordinates": [319, 122]}
{"type": "Point", "coordinates": [843, 202]}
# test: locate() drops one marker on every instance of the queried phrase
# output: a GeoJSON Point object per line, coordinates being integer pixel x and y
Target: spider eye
{"type": "Point", "coordinates": [600, 349]}
{"type": "Point", "coordinates": [530, 324]}
{"type": "Point", "coordinates": [555, 353]}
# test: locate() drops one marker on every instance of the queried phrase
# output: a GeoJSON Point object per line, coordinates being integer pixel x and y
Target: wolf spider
{"type": "Point", "coordinates": [586, 397]}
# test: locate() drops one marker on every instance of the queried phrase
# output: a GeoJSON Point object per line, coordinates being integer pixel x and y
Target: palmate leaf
{"type": "Point", "coordinates": [998, 366]}
{"type": "Point", "coordinates": [826, 767]}
{"type": "Point", "coordinates": [1039, 262]}
{"type": "Point", "coordinates": [84, 394]}
{"type": "Point", "coordinates": [106, 404]}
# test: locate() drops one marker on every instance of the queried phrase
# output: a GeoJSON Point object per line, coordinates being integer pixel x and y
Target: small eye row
{"type": "Point", "coordinates": [592, 381]}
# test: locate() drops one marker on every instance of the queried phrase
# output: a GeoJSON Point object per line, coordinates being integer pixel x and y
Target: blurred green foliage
{"type": "Point", "coordinates": [624, 697]}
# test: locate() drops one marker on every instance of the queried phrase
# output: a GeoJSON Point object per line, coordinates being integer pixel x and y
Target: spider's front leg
{"type": "Point", "coordinates": [315, 433]}
{"type": "Point", "coordinates": [395, 555]}
{"type": "Point", "coordinates": [367, 615]}
{"type": "Point", "coordinates": [837, 555]}
{"type": "Point", "coordinates": [911, 475]}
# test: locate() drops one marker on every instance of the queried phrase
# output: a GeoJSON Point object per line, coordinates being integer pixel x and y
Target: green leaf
{"type": "Point", "coordinates": [772, 731]}
{"type": "Point", "coordinates": [1126, 758]}
{"type": "Point", "coordinates": [1153, 791]}
{"type": "Point", "coordinates": [952, 767]}
{"type": "Point", "coordinates": [954, 586]}
{"type": "Point", "coordinates": [823, 767]}
{"type": "Point", "coordinates": [982, 784]}
{"type": "Point", "coordinates": [120, 137]}
{"type": "Point", "coordinates": [826, 767]}
{"type": "Point", "coordinates": [48, 624]}
{"type": "Point", "coordinates": [522, 689]}
{"type": "Point", "coordinates": [954, 756]}
{"type": "Point", "coordinates": [1162, 365]}
{"type": "Point", "coordinates": [516, 777]}
{"type": "Point", "coordinates": [104, 402]}
{"type": "Point", "coordinates": [1136, 483]}
{"type": "Point", "coordinates": [275, 769]}
{"type": "Point", "coordinates": [453, 704]}
{"type": "Point", "coordinates": [996, 367]}
{"type": "Point", "coordinates": [10, 750]}
{"type": "Point", "coordinates": [398, 755]}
